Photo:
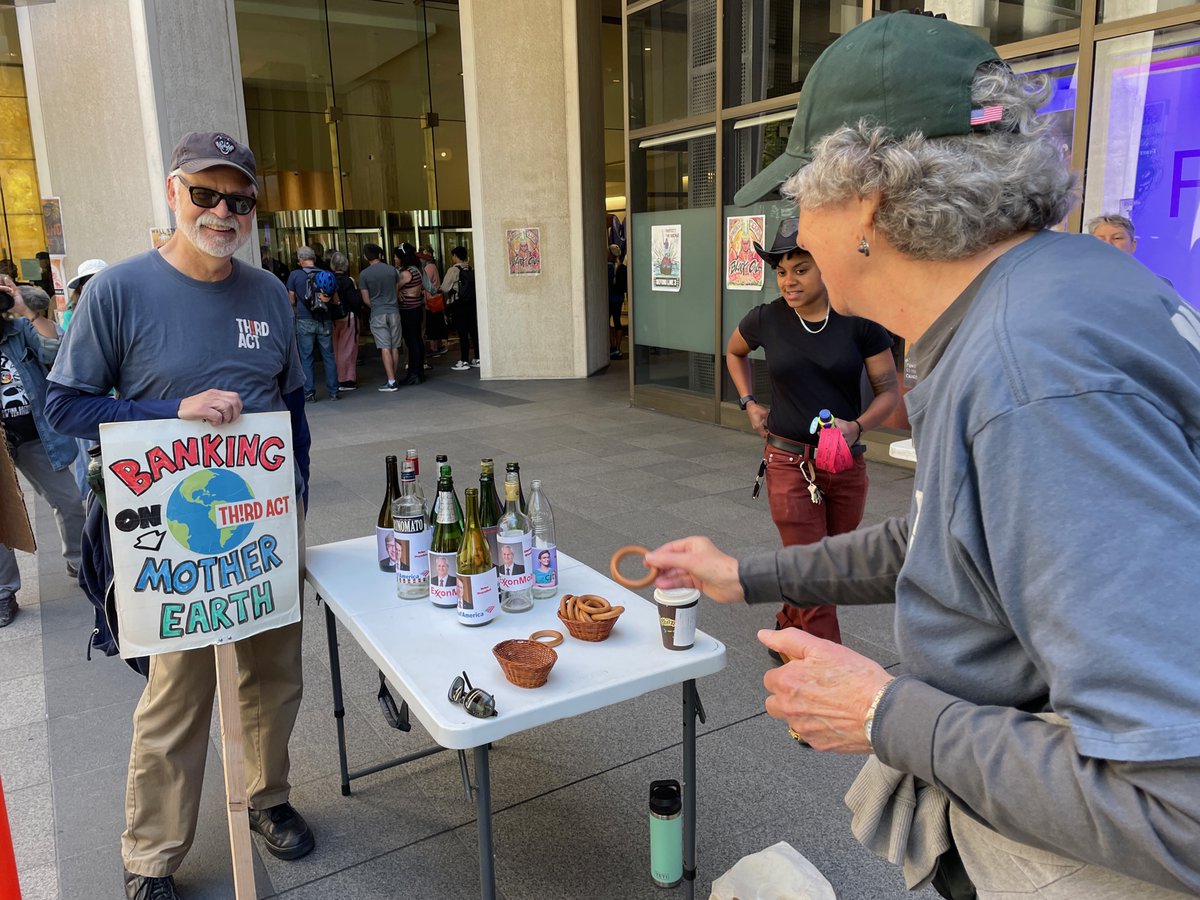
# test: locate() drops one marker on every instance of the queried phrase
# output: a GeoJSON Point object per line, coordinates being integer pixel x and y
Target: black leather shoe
{"type": "Point", "coordinates": [8, 609]}
{"type": "Point", "coordinates": [284, 830]}
{"type": "Point", "coordinates": [413, 379]}
{"type": "Point", "coordinates": [144, 887]}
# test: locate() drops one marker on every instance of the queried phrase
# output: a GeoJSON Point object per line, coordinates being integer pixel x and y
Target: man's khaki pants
{"type": "Point", "coordinates": [171, 735]}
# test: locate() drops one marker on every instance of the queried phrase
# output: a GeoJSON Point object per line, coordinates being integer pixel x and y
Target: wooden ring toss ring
{"type": "Point", "coordinates": [548, 637]}
{"type": "Point", "coordinates": [631, 583]}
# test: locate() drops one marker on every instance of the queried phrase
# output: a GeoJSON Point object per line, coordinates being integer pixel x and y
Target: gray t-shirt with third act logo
{"type": "Point", "coordinates": [149, 331]}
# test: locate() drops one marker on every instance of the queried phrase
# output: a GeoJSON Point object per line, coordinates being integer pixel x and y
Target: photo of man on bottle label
{"type": "Point", "coordinates": [463, 589]}
{"type": "Point", "coordinates": [387, 562]}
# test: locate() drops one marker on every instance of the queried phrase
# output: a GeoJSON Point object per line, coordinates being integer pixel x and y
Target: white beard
{"type": "Point", "coordinates": [220, 244]}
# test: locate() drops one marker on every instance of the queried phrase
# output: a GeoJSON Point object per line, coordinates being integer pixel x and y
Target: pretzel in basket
{"type": "Point", "coordinates": [587, 608]}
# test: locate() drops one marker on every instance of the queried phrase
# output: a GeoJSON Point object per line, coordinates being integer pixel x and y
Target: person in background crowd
{"type": "Point", "coordinates": [273, 265]}
{"type": "Point", "coordinates": [41, 454]}
{"type": "Point", "coordinates": [75, 286]}
{"type": "Point", "coordinates": [1118, 231]}
{"type": "Point", "coordinates": [32, 303]}
{"type": "Point", "coordinates": [377, 283]}
{"type": "Point", "coordinates": [816, 358]}
{"type": "Point", "coordinates": [182, 359]}
{"type": "Point", "coordinates": [1052, 749]}
{"type": "Point", "coordinates": [46, 281]}
{"type": "Point", "coordinates": [411, 293]}
{"type": "Point", "coordinates": [462, 310]}
{"type": "Point", "coordinates": [345, 330]}
{"type": "Point", "coordinates": [435, 322]}
{"type": "Point", "coordinates": [618, 285]}
{"type": "Point", "coordinates": [318, 250]}
{"type": "Point", "coordinates": [312, 327]}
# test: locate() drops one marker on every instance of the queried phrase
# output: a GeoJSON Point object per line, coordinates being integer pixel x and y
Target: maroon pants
{"type": "Point", "coordinates": [800, 521]}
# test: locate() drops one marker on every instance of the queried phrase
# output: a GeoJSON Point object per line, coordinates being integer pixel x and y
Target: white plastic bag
{"type": "Point", "coordinates": [779, 872]}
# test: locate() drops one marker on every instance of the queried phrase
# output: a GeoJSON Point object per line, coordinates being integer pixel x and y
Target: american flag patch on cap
{"type": "Point", "coordinates": [987, 115]}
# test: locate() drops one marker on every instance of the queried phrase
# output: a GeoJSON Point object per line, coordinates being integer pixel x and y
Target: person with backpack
{"type": "Point", "coordinates": [411, 291]}
{"type": "Point", "coordinates": [345, 329]}
{"type": "Point", "coordinates": [458, 287]}
{"type": "Point", "coordinates": [313, 302]}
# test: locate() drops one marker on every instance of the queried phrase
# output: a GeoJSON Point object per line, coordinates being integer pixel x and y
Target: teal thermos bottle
{"type": "Point", "coordinates": [666, 833]}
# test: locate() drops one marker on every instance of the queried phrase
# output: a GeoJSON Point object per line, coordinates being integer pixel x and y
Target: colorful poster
{"type": "Point", "coordinates": [159, 236]}
{"type": "Point", "coordinates": [744, 268]}
{"type": "Point", "coordinates": [52, 223]}
{"type": "Point", "coordinates": [203, 526]}
{"type": "Point", "coordinates": [524, 251]}
{"type": "Point", "coordinates": [58, 271]}
{"type": "Point", "coordinates": [666, 257]}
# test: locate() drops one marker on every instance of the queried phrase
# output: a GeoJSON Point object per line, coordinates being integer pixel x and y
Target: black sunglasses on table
{"type": "Point", "coordinates": [207, 198]}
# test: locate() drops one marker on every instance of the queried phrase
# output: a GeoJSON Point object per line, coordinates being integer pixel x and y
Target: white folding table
{"type": "Point", "coordinates": [420, 648]}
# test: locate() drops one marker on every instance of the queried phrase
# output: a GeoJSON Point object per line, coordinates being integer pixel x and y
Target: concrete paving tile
{"type": "Point", "coordinates": [24, 756]}
{"type": "Point", "coordinates": [31, 819]}
{"type": "Point", "coordinates": [97, 873]}
{"type": "Point", "coordinates": [104, 680]}
{"type": "Point", "coordinates": [74, 613]}
{"type": "Point", "coordinates": [28, 622]}
{"type": "Point", "coordinates": [22, 701]}
{"type": "Point", "coordinates": [22, 656]}
{"type": "Point", "coordinates": [93, 739]}
{"type": "Point", "coordinates": [728, 459]}
{"type": "Point", "coordinates": [39, 883]}
{"type": "Point", "coordinates": [94, 803]}
{"type": "Point", "coordinates": [438, 867]}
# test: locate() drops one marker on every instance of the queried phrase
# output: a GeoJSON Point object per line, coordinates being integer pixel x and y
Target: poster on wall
{"type": "Point", "coordinates": [159, 236]}
{"type": "Point", "coordinates": [52, 223]}
{"type": "Point", "coordinates": [58, 272]}
{"type": "Point", "coordinates": [743, 266]}
{"type": "Point", "coordinates": [666, 257]}
{"type": "Point", "coordinates": [524, 251]}
{"type": "Point", "coordinates": [203, 526]}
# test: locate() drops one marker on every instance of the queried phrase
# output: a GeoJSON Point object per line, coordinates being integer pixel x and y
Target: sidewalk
{"type": "Point", "coordinates": [569, 799]}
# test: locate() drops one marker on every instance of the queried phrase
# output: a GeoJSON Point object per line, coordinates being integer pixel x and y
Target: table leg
{"type": "Point", "coordinates": [691, 704]}
{"type": "Point", "coordinates": [483, 801]}
{"type": "Point", "coordinates": [339, 710]}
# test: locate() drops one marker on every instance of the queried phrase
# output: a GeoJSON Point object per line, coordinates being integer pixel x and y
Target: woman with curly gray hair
{"type": "Point", "coordinates": [1047, 724]}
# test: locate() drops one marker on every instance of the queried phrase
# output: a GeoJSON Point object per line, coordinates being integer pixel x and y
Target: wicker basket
{"type": "Point", "coordinates": [589, 631]}
{"type": "Point", "coordinates": [526, 664]}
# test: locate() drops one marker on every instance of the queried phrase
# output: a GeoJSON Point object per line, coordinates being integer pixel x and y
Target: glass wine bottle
{"type": "Point", "coordinates": [385, 540]}
{"type": "Point", "coordinates": [515, 540]}
{"type": "Point", "coordinates": [545, 551]}
{"type": "Point", "coordinates": [490, 507]}
{"type": "Point", "coordinates": [513, 468]}
{"type": "Point", "coordinates": [412, 535]}
{"type": "Point", "coordinates": [445, 472]}
{"type": "Point", "coordinates": [443, 550]}
{"type": "Point", "coordinates": [477, 585]}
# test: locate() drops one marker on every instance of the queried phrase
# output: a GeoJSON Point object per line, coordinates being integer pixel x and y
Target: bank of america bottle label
{"type": "Point", "coordinates": [412, 536]}
{"type": "Point", "coordinates": [515, 562]}
{"type": "Point", "coordinates": [385, 549]}
{"type": "Point", "coordinates": [443, 583]}
{"type": "Point", "coordinates": [478, 597]}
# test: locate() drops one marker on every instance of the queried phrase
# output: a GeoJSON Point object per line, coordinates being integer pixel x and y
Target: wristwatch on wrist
{"type": "Point", "coordinates": [745, 400]}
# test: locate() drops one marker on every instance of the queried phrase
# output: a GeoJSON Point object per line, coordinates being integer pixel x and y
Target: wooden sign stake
{"type": "Point", "coordinates": [235, 771]}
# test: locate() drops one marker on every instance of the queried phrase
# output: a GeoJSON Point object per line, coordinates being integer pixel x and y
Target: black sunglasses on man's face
{"type": "Point", "coordinates": [207, 198]}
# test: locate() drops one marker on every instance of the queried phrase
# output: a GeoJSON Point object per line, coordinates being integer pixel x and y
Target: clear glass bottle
{"type": "Point", "coordinates": [545, 551]}
{"type": "Point", "coordinates": [385, 541]}
{"type": "Point", "coordinates": [443, 549]}
{"type": "Point", "coordinates": [515, 541]}
{"type": "Point", "coordinates": [490, 506]}
{"type": "Point", "coordinates": [412, 536]}
{"type": "Point", "coordinates": [512, 468]}
{"type": "Point", "coordinates": [477, 584]}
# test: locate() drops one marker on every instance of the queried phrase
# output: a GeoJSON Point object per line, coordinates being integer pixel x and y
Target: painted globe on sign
{"type": "Point", "coordinates": [192, 513]}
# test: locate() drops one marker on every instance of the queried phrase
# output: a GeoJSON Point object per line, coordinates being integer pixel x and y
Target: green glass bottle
{"type": "Point", "coordinates": [490, 507]}
{"type": "Point", "coordinates": [384, 536]}
{"type": "Point", "coordinates": [443, 552]}
{"type": "Point", "coordinates": [477, 585]}
{"type": "Point", "coordinates": [445, 472]}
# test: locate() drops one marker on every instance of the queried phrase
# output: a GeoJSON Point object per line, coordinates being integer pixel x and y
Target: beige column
{"type": "Point", "coordinates": [531, 84]}
{"type": "Point", "coordinates": [112, 86]}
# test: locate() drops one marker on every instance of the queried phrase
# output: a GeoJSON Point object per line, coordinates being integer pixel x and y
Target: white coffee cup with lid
{"type": "Point", "coordinates": [677, 616]}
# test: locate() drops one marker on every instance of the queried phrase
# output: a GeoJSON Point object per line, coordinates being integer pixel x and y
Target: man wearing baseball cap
{"type": "Point", "coordinates": [168, 330]}
{"type": "Point", "coordinates": [1044, 737]}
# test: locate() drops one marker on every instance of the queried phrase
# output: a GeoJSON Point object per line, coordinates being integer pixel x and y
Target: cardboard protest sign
{"type": "Point", "coordinates": [203, 528]}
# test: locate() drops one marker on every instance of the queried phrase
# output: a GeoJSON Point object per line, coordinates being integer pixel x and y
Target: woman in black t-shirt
{"type": "Point", "coordinates": [815, 359]}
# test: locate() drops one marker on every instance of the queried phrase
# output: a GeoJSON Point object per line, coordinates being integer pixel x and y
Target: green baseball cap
{"type": "Point", "coordinates": [906, 72]}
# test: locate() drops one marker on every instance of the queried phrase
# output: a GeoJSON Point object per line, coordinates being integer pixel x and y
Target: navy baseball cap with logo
{"type": "Point", "coordinates": [200, 150]}
{"type": "Point", "coordinates": [906, 72]}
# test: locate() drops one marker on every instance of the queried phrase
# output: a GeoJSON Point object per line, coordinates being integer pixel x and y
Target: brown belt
{"type": "Point", "coordinates": [804, 451]}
